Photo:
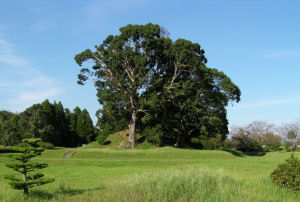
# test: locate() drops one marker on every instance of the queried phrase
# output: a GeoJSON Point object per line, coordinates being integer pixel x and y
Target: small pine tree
{"type": "Point", "coordinates": [23, 166]}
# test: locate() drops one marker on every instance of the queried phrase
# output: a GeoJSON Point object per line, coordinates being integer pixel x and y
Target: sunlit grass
{"type": "Point", "coordinates": [93, 174]}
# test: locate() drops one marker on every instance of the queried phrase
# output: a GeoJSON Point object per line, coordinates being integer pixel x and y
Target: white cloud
{"type": "Point", "coordinates": [8, 56]}
{"type": "Point", "coordinates": [21, 85]}
{"type": "Point", "coordinates": [27, 98]}
{"type": "Point", "coordinates": [285, 100]}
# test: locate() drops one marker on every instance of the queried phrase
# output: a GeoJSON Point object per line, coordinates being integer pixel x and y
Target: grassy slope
{"type": "Point", "coordinates": [93, 173]}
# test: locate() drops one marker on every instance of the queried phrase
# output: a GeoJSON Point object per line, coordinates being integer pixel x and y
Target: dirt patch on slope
{"type": "Point", "coordinates": [68, 154]}
{"type": "Point", "coordinates": [123, 134]}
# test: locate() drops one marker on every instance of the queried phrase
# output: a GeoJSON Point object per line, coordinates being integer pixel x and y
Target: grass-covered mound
{"type": "Point", "coordinates": [111, 174]}
{"type": "Point", "coordinates": [119, 140]}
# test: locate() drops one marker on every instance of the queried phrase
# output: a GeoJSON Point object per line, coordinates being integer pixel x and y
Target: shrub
{"type": "Point", "coordinates": [287, 146]}
{"type": "Point", "coordinates": [243, 142]}
{"type": "Point", "coordinates": [9, 149]}
{"type": "Point", "coordinates": [288, 174]}
{"type": "Point", "coordinates": [104, 133]}
{"type": "Point", "coordinates": [101, 139]}
{"type": "Point", "coordinates": [46, 145]}
{"type": "Point", "coordinates": [22, 144]}
{"type": "Point", "coordinates": [210, 143]}
{"type": "Point", "coordinates": [217, 141]}
{"type": "Point", "coordinates": [207, 144]}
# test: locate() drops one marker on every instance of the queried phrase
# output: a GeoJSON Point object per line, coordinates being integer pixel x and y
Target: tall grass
{"type": "Point", "coordinates": [177, 185]}
{"type": "Point", "coordinates": [161, 174]}
{"type": "Point", "coordinates": [195, 184]}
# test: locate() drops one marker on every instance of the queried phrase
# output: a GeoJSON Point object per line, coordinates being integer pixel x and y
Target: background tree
{"type": "Point", "coordinates": [49, 121]}
{"type": "Point", "coordinates": [10, 133]}
{"type": "Point", "coordinates": [259, 134]}
{"type": "Point", "coordinates": [242, 140]}
{"type": "Point", "coordinates": [24, 167]}
{"type": "Point", "coordinates": [258, 129]}
{"type": "Point", "coordinates": [291, 133]}
{"type": "Point", "coordinates": [85, 128]}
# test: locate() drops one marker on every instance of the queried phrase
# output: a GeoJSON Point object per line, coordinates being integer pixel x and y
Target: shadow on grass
{"type": "Point", "coordinates": [234, 152]}
{"type": "Point", "coordinates": [67, 190]}
{"type": "Point", "coordinates": [63, 189]}
{"type": "Point", "coordinates": [255, 153]}
{"type": "Point", "coordinates": [242, 154]}
{"type": "Point", "coordinates": [40, 194]}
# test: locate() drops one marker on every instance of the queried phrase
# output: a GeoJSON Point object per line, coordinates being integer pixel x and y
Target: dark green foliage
{"type": "Point", "coordinates": [123, 67]}
{"type": "Point", "coordinates": [9, 149]}
{"type": "Point", "coordinates": [211, 143]}
{"type": "Point", "coordinates": [104, 132]}
{"type": "Point", "coordinates": [207, 144]}
{"type": "Point", "coordinates": [23, 166]}
{"type": "Point", "coordinates": [159, 86]}
{"type": "Point", "coordinates": [288, 174]}
{"type": "Point", "coordinates": [101, 139]}
{"type": "Point", "coordinates": [153, 135]}
{"type": "Point", "coordinates": [85, 128]}
{"type": "Point", "coordinates": [46, 145]}
{"type": "Point", "coordinates": [10, 133]}
{"type": "Point", "coordinates": [49, 121]}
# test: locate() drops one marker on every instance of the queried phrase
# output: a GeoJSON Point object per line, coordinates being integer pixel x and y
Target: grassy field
{"type": "Point", "coordinates": [155, 174]}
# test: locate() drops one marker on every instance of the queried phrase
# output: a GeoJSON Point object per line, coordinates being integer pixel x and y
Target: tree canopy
{"type": "Point", "coordinates": [49, 121]}
{"type": "Point", "coordinates": [158, 85]}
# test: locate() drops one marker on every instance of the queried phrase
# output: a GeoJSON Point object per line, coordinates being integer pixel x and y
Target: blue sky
{"type": "Point", "coordinates": [255, 42]}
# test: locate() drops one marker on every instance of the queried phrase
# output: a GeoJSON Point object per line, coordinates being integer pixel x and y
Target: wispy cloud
{"type": "Point", "coordinates": [21, 85]}
{"type": "Point", "coordinates": [27, 98]}
{"type": "Point", "coordinates": [8, 56]}
{"type": "Point", "coordinates": [282, 53]}
{"type": "Point", "coordinates": [285, 100]}
{"type": "Point", "coordinates": [35, 10]}
{"type": "Point", "coordinates": [41, 25]}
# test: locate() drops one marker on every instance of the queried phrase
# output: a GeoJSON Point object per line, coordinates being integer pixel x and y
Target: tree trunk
{"type": "Point", "coordinates": [25, 188]}
{"type": "Point", "coordinates": [132, 127]}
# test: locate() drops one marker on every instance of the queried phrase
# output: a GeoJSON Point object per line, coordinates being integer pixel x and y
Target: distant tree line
{"type": "Point", "coordinates": [49, 121]}
{"type": "Point", "coordinates": [261, 136]}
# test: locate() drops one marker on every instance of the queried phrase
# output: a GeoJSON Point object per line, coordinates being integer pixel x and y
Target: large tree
{"type": "Point", "coordinates": [192, 104]}
{"type": "Point", "coordinates": [141, 72]}
{"type": "Point", "coordinates": [124, 65]}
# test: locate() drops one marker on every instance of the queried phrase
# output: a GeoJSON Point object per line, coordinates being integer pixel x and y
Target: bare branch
{"type": "Point", "coordinates": [140, 110]}
{"type": "Point", "coordinates": [175, 75]}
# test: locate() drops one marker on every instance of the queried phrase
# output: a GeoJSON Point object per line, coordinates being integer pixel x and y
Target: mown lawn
{"type": "Point", "coordinates": [166, 174]}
